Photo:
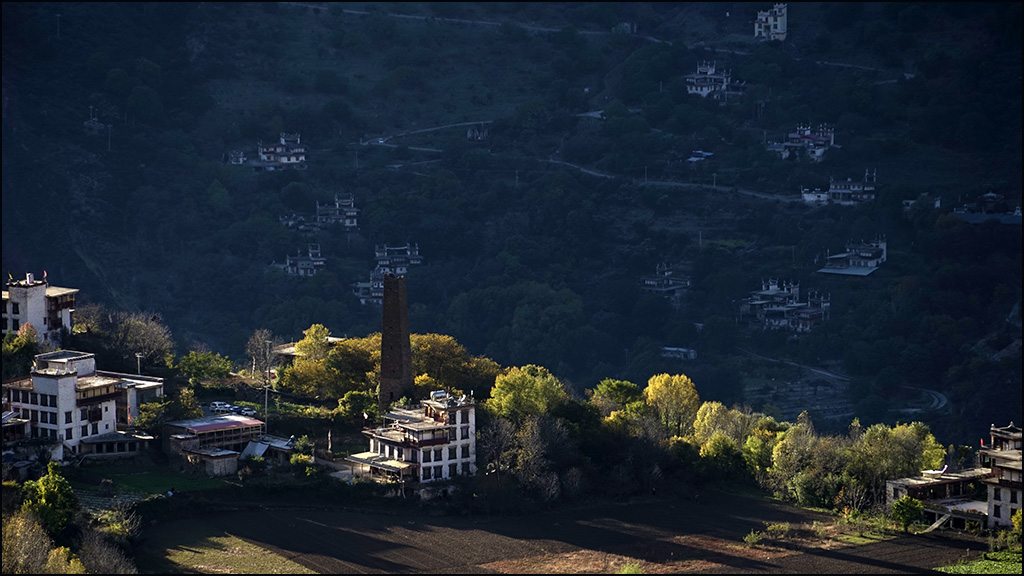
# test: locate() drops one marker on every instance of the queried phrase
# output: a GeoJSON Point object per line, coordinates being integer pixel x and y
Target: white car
{"type": "Point", "coordinates": [248, 412]}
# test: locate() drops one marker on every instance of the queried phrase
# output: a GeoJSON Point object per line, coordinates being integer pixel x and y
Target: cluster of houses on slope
{"type": "Point", "coordinates": [49, 309]}
{"type": "Point", "coordinates": [287, 152]}
{"type": "Point", "coordinates": [342, 212]}
{"type": "Point", "coordinates": [394, 260]}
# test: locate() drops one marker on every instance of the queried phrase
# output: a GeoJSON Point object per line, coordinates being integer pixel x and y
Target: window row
{"type": "Point", "coordinates": [29, 397]}
{"type": "Point", "coordinates": [437, 472]}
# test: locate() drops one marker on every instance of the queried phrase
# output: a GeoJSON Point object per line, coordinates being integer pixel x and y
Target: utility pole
{"type": "Point", "coordinates": [138, 363]}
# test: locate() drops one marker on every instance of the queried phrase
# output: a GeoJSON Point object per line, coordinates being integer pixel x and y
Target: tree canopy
{"type": "Point", "coordinates": [525, 391]}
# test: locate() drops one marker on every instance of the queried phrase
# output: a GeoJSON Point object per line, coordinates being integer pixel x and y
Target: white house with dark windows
{"type": "Point", "coordinates": [435, 442]}
{"type": "Point", "coordinates": [771, 24]}
{"type": "Point", "coordinates": [49, 309]}
{"type": "Point", "coordinates": [67, 401]}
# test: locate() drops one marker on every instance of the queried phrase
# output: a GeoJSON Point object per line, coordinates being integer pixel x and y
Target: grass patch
{"type": "Point", "coordinates": [990, 563]}
{"type": "Point", "coordinates": [138, 478]}
{"type": "Point", "coordinates": [196, 549]}
{"type": "Point", "coordinates": [866, 538]}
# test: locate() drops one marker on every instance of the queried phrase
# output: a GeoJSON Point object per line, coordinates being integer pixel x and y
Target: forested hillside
{"type": "Point", "coordinates": [535, 237]}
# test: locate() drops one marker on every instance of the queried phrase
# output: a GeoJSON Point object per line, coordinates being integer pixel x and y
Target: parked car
{"type": "Point", "coordinates": [248, 412]}
{"type": "Point", "coordinates": [221, 408]}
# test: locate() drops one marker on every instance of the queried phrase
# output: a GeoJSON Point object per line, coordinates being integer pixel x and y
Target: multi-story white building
{"type": "Point", "coordinates": [433, 443]}
{"type": "Point", "coordinates": [771, 24]}
{"type": "Point", "coordinates": [49, 309]}
{"type": "Point", "coordinates": [67, 401]}
{"type": "Point", "coordinates": [1003, 458]}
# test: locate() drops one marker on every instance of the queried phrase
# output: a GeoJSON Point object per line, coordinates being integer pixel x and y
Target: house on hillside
{"type": "Point", "coordinates": [778, 307]}
{"type": "Point", "coordinates": [73, 409]}
{"type": "Point", "coordinates": [949, 497]}
{"type": "Point", "coordinates": [308, 265]}
{"type": "Point", "coordinates": [707, 80]}
{"type": "Point", "coordinates": [342, 211]}
{"type": "Point", "coordinates": [812, 143]}
{"type": "Point", "coordinates": [859, 259]}
{"type": "Point", "coordinates": [771, 24]}
{"type": "Point", "coordinates": [394, 260]}
{"type": "Point", "coordinates": [666, 283]}
{"type": "Point", "coordinates": [49, 309]}
{"type": "Point", "coordinates": [844, 192]}
{"type": "Point", "coordinates": [434, 442]}
{"type": "Point", "coordinates": [287, 152]}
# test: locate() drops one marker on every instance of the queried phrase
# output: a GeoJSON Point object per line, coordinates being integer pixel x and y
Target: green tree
{"type": "Point", "coordinates": [200, 366]}
{"type": "Point", "coordinates": [674, 398]}
{"type": "Point", "coordinates": [525, 391]}
{"type": "Point", "coordinates": [315, 345]}
{"type": "Point", "coordinates": [906, 511]}
{"type": "Point", "coordinates": [19, 351]}
{"type": "Point", "coordinates": [51, 499]}
{"type": "Point", "coordinates": [610, 395]}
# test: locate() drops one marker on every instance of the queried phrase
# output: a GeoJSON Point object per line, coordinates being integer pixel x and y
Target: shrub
{"type": "Point", "coordinates": [754, 538]}
{"type": "Point", "coordinates": [778, 530]}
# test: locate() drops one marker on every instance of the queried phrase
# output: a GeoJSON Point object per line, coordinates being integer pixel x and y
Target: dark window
{"type": "Point", "coordinates": [465, 417]}
{"type": "Point", "coordinates": [67, 417]}
{"type": "Point", "coordinates": [451, 453]}
{"type": "Point", "coordinates": [453, 470]}
{"type": "Point", "coordinates": [85, 431]}
{"type": "Point", "coordinates": [1013, 496]}
{"type": "Point", "coordinates": [70, 434]}
{"type": "Point", "coordinates": [997, 494]}
{"type": "Point", "coordinates": [996, 512]}
{"type": "Point", "coordinates": [465, 432]}
{"type": "Point", "coordinates": [426, 473]}
{"type": "Point", "coordinates": [465, 450]}
{"type": "Point", "coordinates": [438, 456]}
{"type": "Point", "coordinates": [465, 467]}
{"type": "Point", "coordinates": [96, 428]}
{"type": "Point", "coordinates": [426, 455]}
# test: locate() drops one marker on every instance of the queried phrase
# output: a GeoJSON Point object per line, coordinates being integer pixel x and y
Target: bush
{"type": "Point", "coordinates": [754, 538]}
{"type": "Point", "coordinates": [777, 531]}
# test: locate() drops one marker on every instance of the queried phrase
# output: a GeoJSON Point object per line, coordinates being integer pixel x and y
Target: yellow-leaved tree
{"type": "Point", "coordinates": [674, 398]}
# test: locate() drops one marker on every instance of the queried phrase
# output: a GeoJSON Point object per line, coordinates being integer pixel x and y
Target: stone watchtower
{"type": "Point", "coordinates": [396, 377]}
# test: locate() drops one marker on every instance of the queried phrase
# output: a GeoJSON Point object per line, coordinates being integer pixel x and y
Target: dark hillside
{"type": "Point", "coordinates": [535, 235]}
